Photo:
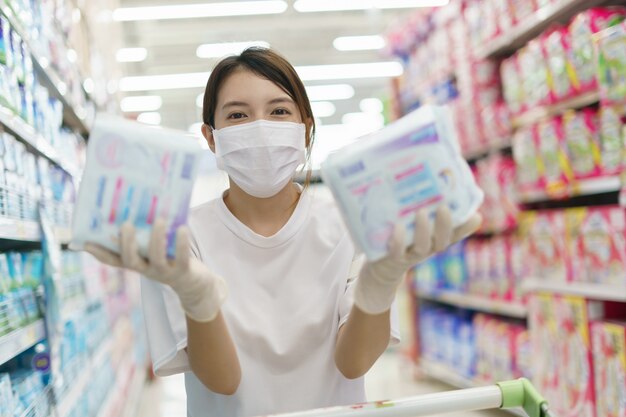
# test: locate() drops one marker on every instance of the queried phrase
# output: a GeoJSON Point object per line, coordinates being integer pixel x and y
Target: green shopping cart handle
{"type": "Point", "coordinates": [522, 393]}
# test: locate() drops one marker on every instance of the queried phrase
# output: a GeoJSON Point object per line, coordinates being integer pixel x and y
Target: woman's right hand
{"type": "Point", "coordinates": [201, 292]}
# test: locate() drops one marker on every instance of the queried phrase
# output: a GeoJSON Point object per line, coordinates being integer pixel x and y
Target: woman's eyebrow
{"type": "Point", "coordinates": [281, 100]}
{"type": "Point", "coordinates": [235, 104]}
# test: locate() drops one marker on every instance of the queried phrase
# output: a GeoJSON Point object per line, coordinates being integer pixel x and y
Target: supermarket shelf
{"type": "Point", "coordinates": [591, 291]}
{"type": "Point", "coordinates": [67, 403]}
{"type": "Point", "coordinates": [533, 116]}
{"type": "Point", "coordinates": [590, 186]}
{"type": "Point", "coordinates": [529, 28]}
{"type": "Point", "coordinates": [449, 376]}
{"type": "Point", "coordinates": [18, 341]}
{"type": "Point", "coordinates": [28, 231]}
{"type": "Point", "coordinates": [484, 152]}
{"type": "Point", "coordinates": [27, 134]}
{"type": "Point", "coordinates": [75, 118]}
{"type": "Point", "coordinates": [478, 303]}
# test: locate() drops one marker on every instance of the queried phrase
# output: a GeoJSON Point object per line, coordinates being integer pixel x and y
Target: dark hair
{"type": "Point", "coordinates": [267, 64]}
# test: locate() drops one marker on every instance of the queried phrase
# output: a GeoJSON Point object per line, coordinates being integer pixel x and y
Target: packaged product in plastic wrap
{"type": "Point", "coordinates": [512, 86]}
{"type": "Point", "coordinates": [611, 141]}
{"type": "Point", "coordinates": [553, 157]}
{"type": "Point", "coordinates": [134, 173]}
{"type": "Point", "coordinates": [547, 246]}
{"type": "Point", "coordinates": [609, 359]}
{"type": "Point", "coordinates": [612, 65]}
{"type": "Point", "coordinates": [556, 44]}
{"type": "Point", "coordinates": [384, 178]}
{"type": "Point", "coordinates": [534, 75]}
{"type": "Point", "coordinates": [580, 129]}
{"type": "Point", "coordinates": [583, 57]}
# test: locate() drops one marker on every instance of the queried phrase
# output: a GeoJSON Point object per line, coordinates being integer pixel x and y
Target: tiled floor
{"type": "Point", "coordinates": [390, 378]}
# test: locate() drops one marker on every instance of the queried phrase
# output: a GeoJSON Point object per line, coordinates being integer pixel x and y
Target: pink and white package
{"type": "Point", "coordinates": [556, 44]}
{"type": "Point", "coordinates": [581, 136]}
{"type": "Point", "coordinates": [609, 358]}
{"type": "Point", "coordinates": [611, 141]}
{"type": "Point", "coordinates": [582, 55]}
{"type": "Point", "coordinates": [512, 86]}
{"type": "Point", "coordinates": [552, 156]}
{"type": "Point", "coordinates": [526, 154]}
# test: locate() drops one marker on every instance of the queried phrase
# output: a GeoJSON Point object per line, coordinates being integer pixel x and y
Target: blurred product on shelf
{"type": "Point", "coordinates": [557, 153]}
{"type": "Point", "coordinates": [576, 245]}
{"type": "Point", "coordinates": [480, 347]}
{"type": "Point", "coordinates": [561, 351]}
{"type": "Point", "coordinates": [496, 176]}
{"type": "Point", "coordinates": [612, 65]}
{"type": "Point", "coordinates": [609, 358]}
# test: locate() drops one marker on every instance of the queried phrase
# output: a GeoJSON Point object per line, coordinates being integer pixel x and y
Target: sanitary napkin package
{"type": "Point", "coordinates": [134, 173]}
{"type": "Point", "coordinates": [386, 176]}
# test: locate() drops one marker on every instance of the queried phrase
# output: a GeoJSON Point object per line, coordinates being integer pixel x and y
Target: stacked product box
{"type": "Point", "coordinates": [576, 245]}
{"type": "Point", "coordinates": [562, 354]}
{"type": "Point", "coordinates": [609, 358]}
{"type": "Point", "coordinates": [557, 153]}
{"type": "Point", "coordinates": [478, 346]}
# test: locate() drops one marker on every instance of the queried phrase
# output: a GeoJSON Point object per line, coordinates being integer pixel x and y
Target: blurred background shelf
{"type": "Point", "coordinates": [477, 303]}
{"type": "Point", "coordinates": [16, 342]}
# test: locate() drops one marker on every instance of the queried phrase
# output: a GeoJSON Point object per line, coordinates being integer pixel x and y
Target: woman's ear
{"type": "Point", "coordinates": [207, 132]}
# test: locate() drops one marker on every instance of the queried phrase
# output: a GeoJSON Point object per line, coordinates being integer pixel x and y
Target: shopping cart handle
{"type": "Point", "coordinates": [522, 393]}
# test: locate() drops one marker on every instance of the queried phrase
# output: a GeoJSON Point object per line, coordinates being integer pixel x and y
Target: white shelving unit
{"type": "Point", "coordinates": [16, 342]}
{"type": "Point", "coordinates": [28, 231]}
{"type": "Point", "coordinates": [450, 377]}
{"type": "Point", "coordinates": [539, 113]}
{"type": "Point", "coordinates": [591, 291]}
{"type": "Point", "coordinates": [533, 25]}
{"type": "Point", "coordinates": [75, 117]}
{"type": "Point", "coordinates": [66, 404]}
{"type": "Point", "coordinates": [477, 303]}
{"type": "Point", "coordinates": [589, 186]}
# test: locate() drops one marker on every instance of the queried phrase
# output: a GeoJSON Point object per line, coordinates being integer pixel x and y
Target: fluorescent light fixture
{"type": "Point", "coordinates": [141, 104]}
{"type": "Point", "coordinates": [350, 71]}
{"type": "Point", "coordinates": [164, 82]}
{"type": "Point", "coordinates": [131, 54]}
{"type": "Point", "coordinates": [217, 50]}
{"type": "Point", "coordinates": [323, 109]}
{"type": "Point", "coordinates": [371, 106]}
{"type": "Point", "coordinates": [340, 5]}
{"type": "Point", "coordinates": [307, 73]}
{"type": "Point", "coordinates": [330, 92]}
{"type": "Point", "coordinates": [359, 43]}
{"type": "Point", "coordinates": [149, 118]}
{"type": "Point", "coordinates": [367, 121]}
{"type": "Point", "coordinates": [193, 11]}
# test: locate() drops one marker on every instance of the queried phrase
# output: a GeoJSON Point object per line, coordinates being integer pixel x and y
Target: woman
{"type": "Point", "coordinates": [304, 319]}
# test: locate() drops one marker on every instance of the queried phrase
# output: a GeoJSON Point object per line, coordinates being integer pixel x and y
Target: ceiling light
{"type": "Point", "coordinates": [164, 82]}
{"type": "Point", "coordinates": [141, 104]}
{"type": "Point", "coordinates": [330, 92]}
{"type": "Point", "coordinates": [350, 71]}
{"type": "Point", "coordinates": [192, 11]}
{"type": "Point", "coordinates": [368, 121]}
{"type": "Point", "coordinates": [359, 43]}
{"type": "Point", "coordinates": [131, 54]}
{"type": "Point", "coordinates": [339, 5]}
{"type": "Point", "coordinates": [217, 50]}
{"type": "Point", "coordinates": [371, 105]}
{"type": "Point", "coordinates": [323, 109]}
{"type": "Point", "coordinates": [149, 118]}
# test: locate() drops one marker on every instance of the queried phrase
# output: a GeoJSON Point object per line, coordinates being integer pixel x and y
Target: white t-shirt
{"type": "Point", "coordinates": [288, 296]}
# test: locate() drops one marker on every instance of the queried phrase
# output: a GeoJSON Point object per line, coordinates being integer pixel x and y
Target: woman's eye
{"type": "Point", "coordinates": [237, 116]}
{"type": "Point", "coordinates": [281, 112]}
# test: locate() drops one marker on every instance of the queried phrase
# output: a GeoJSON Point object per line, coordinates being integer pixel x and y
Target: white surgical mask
{"type": "Point", "coordinates": [260, 157]}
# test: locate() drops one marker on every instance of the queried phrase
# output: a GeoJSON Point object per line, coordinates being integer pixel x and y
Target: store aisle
{"type": "Point", "coordinates": [390, 378]}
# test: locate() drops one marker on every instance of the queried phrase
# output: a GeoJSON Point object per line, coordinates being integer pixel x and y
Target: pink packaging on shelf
{"type": "Point", "coordinates": [504, 14]}
{"type": "Point", "coordinates": [512, 86]}
{"type": "Point", "coordinates": [552, 156]}
{"type": "Point", "coordinates": [526, 155]}
{"type": "Point", "coordinates": [582, 55]}
{"type": "Point", "coordinates": [611, 141]}
{"type": "Point", "coordinates": [519, 267]}
{"type": "Point", "coordinates": [601, 246]}
{"type": "Point", "coordinates": [609, 358]}
{"type": "Point", "coordinates": [581, 142]}
{"type": "Point", "coordinates": [534, 75]}
{"type": "Point", "coordinates": [522, 9]}
{"type": "Point", "coordinates": [548, 246]}
{"type": "Point", "coordinates": [561, 78]}
{"type": "Point", "coordinates": [501, 276]}
{"type": "Point", "coordinates": [472, 265]}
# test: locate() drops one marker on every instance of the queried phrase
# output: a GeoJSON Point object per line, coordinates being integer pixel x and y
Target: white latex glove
{"type": "Point", "coordinates": [378, 281]}
{"type": "Point", "coordinates": [201, 292]}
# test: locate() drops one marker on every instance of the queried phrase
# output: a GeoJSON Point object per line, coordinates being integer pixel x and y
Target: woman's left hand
{"type": "Point", "coordinates": [378, 281]}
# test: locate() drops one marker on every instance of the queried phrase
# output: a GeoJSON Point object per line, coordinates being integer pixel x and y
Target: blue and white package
{"type": "Point", "coordinates": [385, 177]}
{"type": "Point", "coordinates": [134, 173]}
